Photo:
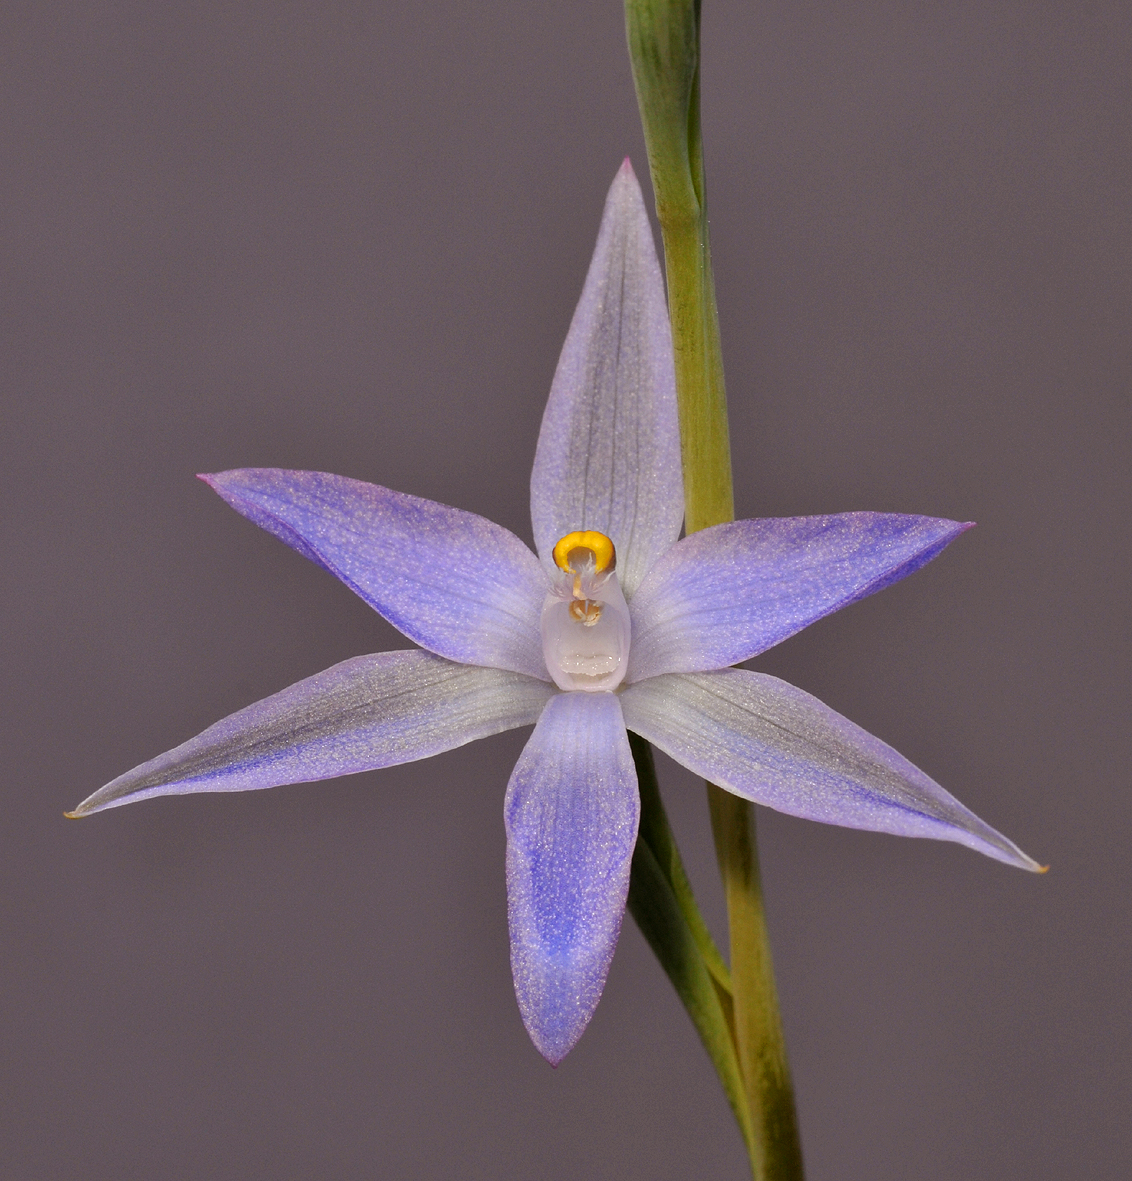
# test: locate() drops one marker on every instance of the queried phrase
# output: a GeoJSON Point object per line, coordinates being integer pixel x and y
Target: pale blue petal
{"type": "Point", "coordinates": [769, 742]}
{"type": "Point", "coordinates": [727, 593]}
{"type": "Point", "coordinates": [571, 814]}
{"type": "Point", "coordinates": [608, 453]}
{"type": "Point", "coordinates": [452, 581]}
{"type": "Point", "coordinates": [371, 711]}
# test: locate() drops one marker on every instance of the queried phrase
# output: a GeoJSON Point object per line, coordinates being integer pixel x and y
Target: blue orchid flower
{"type": "Point", "coordinates": [615, 624]}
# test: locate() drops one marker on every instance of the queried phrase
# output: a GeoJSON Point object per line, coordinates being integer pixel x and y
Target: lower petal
{"type": "Point", "coordinates": [571, 814]}
{"type": "Point", "coordinates": [771, 743]}
{"type": "Point", "coordinates": [371, 711]}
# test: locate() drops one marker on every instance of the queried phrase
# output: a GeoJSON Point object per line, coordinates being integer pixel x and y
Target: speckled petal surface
{"type": "Point", "coordinates": [371, 711]}
{"type": "Point", "coordinates": [571, 815]}
{"type": "Point", "coordinates": [608, 453]}
{"type": "Point", "coordinates": [453, 582]}
{"type": "Point", "coordinates": [769, 742]}
{"type": "Point", "coordinates": [727, 593]}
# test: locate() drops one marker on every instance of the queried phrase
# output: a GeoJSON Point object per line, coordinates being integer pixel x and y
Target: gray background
{"type": "Point", "coordinates": [349, 236]}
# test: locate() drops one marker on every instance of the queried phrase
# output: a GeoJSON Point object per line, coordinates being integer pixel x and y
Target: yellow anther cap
{"type": "Point", "coordinates": [605, 557]}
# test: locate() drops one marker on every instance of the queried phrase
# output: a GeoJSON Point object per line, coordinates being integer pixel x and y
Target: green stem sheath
{"type": "Point", "coordinates": [661, 902]}
{"type": "Point", "coordinates": [664, 48]}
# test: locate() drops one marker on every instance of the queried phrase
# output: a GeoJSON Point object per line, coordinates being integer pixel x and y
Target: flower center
{"type": "Point", "coordinates": [585, 620]}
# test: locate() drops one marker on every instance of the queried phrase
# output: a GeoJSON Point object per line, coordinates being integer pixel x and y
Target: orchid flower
{"type": "Point", "coordinates": [616, 623]}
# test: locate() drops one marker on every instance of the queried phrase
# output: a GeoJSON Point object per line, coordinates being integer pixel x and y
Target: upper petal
{"type": "Point", "coordinates": [571, 814]}
{"type": "Point", "coordinates": [371, 711]}
{"type": "Point", "coordinates": [769, 742]}
{"type": "Point", "coordinates": [608, 454]}
{"type": "Point", "coordinates": [727, 593]}
{"type": "Point", "coordinates": [454, 582]}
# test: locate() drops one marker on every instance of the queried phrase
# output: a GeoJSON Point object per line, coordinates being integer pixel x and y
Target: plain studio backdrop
{"type": "Point", "coordinates": [349, 237]}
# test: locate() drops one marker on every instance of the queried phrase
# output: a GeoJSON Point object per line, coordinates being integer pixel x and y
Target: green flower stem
{"type": "Point", "coordinates": [777, 1154]}
{"type": "Point", "coordinates": [664, 48]}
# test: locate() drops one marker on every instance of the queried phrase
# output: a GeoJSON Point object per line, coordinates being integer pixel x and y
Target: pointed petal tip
{"type": "Point", "coordinates": [554, 1051]}
{"type": "Point", "coordinates": [553, 1057]}
{"type": "Point", "coordinates": [626, 186]}
{"type": "Point", "coordinates": [1021, 860]}
{"type": "Point", "coordinates": [87, 807]}
{"type": "Point", "coordinates": [216, 480]}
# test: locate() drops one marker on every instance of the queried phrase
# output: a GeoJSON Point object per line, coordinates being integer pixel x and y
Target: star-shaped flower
{"type": "Point", "coordinates": [615, 624]}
